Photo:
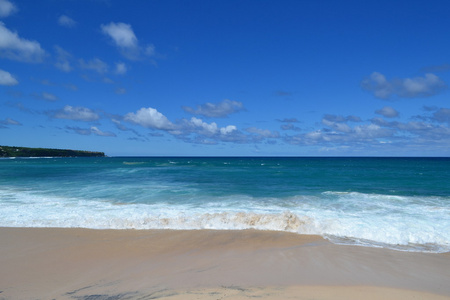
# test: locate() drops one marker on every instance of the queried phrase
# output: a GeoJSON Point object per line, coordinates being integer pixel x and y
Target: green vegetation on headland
{"type": "Point", "coordinates": [7, 151]}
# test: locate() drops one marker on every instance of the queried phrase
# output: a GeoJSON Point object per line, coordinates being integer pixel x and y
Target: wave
{"type": "Point", "coordinates": [396, 222]}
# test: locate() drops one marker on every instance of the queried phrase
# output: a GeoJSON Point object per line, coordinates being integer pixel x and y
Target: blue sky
{"type": "Point", "coordinates": [272, 78]}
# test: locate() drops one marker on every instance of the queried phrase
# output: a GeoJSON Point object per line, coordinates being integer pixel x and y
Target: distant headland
{"type": "Point", "coordinates": [8, 151]}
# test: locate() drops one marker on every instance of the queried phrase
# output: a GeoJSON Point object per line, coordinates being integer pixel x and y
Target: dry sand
{"type": "Point", "coordinates": [164, 264]}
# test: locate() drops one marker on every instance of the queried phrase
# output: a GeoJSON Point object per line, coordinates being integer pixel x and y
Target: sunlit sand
{"type": "Point", "coordinates": [164, 264]}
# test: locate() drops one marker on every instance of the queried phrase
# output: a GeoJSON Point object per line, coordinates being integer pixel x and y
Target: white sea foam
{"type": "Point", "coordinates": [404, 223]}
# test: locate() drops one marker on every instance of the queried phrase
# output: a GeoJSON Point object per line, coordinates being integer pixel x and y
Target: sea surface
{"type": "Point", "coordinates": [397, 203]}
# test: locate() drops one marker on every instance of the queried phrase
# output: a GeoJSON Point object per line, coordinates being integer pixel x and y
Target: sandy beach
{"type": "Point", "coordinates": [164, 264]}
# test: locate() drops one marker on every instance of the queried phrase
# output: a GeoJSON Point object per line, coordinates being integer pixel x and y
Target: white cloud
{"type": "Point", "coordinates": [16, 48]}
{"type": "Point", "coordinates": [98, 132]}
{"type": "Point", "coordinates": [219, 110]}
{"type": "Point", "coordinates": [7, 8]}
{"type": "Point", "coordinates": [378, 84]}
{"type": "Point", "coordinates": [205, 128]}
{"type": "Point", "coordinates": [387, 112]}
{"type": "Point", "coordinates": [196, 130]}
{"type": "Point", "coordinates": [94, 64]}
{"type": "Point", "coordinates": [228, 129]}
{"type": "Point", "coordinates": [63, 59]}
{"type": "Point", "coordinates": [121, 33]}
{"type": "Point", "coordinates": [124, 38]}
{"type": "Point", "coordinates": [66, 21]}
{"type": "Point", "coordinates": [121, 68]}
{"type": "Point", "coordinates": [422, 86]}
{"type": "Point", "coordinates": [75, 113]}
{"type": "Point", "coordinates": [382, 88]}
{"type": "Point", "coordinates": [193, 130]}
{"type": "Point", "coordinates": [201, 128]}
{"type": "Point", "coordinates": [7, 79]}
{"type": "Point", "coordinates": [149, 118]}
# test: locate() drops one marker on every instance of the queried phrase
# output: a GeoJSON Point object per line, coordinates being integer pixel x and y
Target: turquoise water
{"type": "Point", "coordinates": [399, 203]}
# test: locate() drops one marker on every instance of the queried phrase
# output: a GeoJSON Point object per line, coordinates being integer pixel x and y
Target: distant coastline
{"type": "Point", "coordinates": [11, 151]}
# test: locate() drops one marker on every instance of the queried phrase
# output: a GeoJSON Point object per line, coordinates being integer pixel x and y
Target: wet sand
{"type": "Point", "coordinates": [203, 264]}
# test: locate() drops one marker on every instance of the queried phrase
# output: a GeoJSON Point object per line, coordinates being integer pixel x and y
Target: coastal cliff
{"type": "Point", "coordinates": [7, 151]}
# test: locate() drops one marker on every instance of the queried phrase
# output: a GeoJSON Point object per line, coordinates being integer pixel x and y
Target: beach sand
{"type": "Point", "coordinates": [204, 264]}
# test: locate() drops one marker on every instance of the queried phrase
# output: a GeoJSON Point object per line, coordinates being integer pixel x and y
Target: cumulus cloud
{"type": "Point", "coordinates": [76, 113]}
{"type": "Point", "coordinates": [124, 38]}
{"type": "Point", "coordinates": [7, 8]}
{"type": "Point", "coordinates": [387, 112]}
{"type": "Point", "coordinates": [95, 64]}
{"type": "Point", "coordinates": [192, 130]}
{"type": "Point", "coordinates": [16, 48]}
{"type": "Point", "coordinates": [204, 128]}
{"type": "Point", "coordinates": [210, 129]}
{"type": "Point", "coordinates": [196, 130]}
{"type": "Point", "coordinates": [228, 129]}
{"type": "Point", "coordinates": [219, 110]}
{"type": "Point", "coordinates": [7, 79]}
{"type": "Point", "coordinates": [382, 88]}
{"type": "Point", "coordinates": [66, 21]}
{"type": "Point", "coordinates": [149, 118]}
{"type": "Point", "coordinates": [63, 59]}
{"type": "Point", "coordinates": [121, 33]}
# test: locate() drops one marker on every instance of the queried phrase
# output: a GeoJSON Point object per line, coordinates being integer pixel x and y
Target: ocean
{"type": "Point", "coordinates": [396, 203]}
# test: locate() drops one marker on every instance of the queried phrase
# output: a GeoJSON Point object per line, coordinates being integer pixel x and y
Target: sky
{"type": "Point", "coordinates": [226, 77]}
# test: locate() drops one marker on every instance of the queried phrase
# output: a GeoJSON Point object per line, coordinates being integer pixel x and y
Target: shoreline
{"type": "Point", "coordinates": [72, 263]}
